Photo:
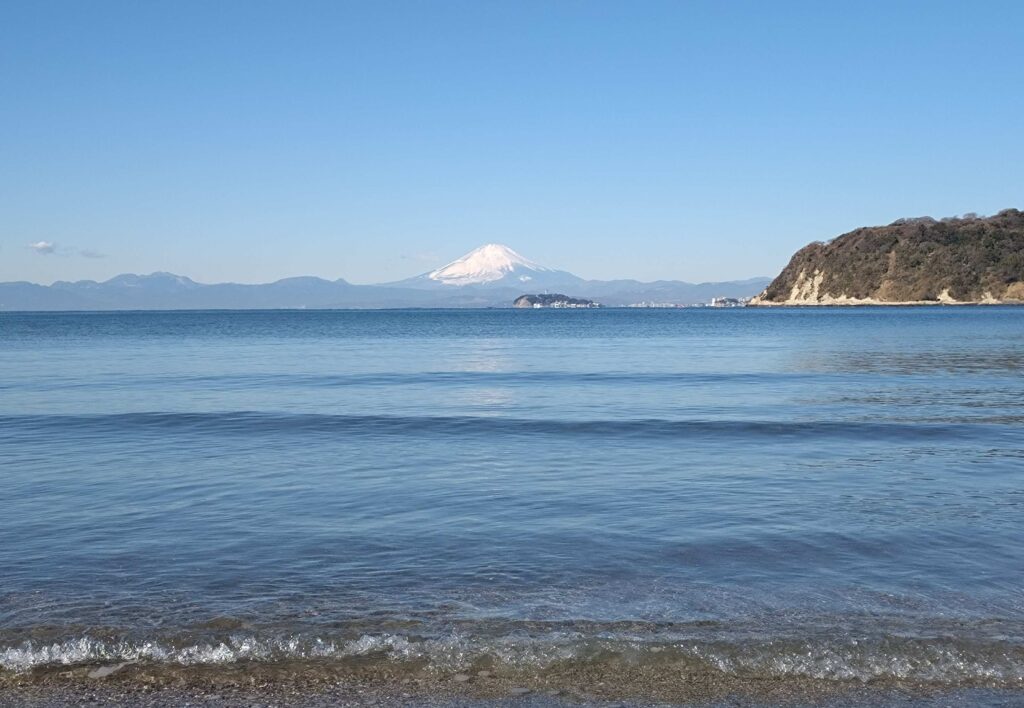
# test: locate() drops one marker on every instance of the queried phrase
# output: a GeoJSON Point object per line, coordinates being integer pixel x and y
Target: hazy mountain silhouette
{"type": "Point", "coordinates": [490, 276]}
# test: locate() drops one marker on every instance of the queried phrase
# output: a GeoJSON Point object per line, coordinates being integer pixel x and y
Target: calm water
{"type": "Point", "coordinates": [834, 494]}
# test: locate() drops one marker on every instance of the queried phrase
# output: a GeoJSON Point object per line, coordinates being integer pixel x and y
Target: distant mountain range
{"type": "Point", "coordinates": [490, 276]}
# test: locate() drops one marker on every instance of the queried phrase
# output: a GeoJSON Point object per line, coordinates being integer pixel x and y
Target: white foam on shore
{"type": "Point", "coordinates": [938, 661]}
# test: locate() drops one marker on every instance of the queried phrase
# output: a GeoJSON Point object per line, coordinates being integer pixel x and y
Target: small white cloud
{"type": "Point", "coordinates": [43, 247]}
{"type": "Point", "coordinates": [89, 253]}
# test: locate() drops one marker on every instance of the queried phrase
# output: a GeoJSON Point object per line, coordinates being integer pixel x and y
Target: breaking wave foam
{"type": "Point", "coordinates": [940, 661]}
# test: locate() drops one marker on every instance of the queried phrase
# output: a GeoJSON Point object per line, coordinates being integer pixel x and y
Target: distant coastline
{"type": "Point", "coordinates": [870, 302]}
{"type": "Point", "coordinates": [490, 276]}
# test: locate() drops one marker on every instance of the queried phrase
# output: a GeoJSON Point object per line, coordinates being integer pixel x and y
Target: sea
{"type": "Point", "coordinates": [824, 499]}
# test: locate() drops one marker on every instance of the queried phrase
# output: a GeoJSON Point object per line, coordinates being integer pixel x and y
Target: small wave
{"type": "Point", "coordinates": [249, 381]}
{"type": "Point", "coordinates": [248, 422]}
{"type": "Point", "coordinates": [936, 661]}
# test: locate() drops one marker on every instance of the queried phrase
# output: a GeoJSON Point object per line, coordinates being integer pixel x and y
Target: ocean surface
{"type": "Point", "coordinates": [824, 495]}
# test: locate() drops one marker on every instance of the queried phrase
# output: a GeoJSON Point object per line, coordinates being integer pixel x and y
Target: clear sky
{"type": "Point", "coordinates": [250, 141]}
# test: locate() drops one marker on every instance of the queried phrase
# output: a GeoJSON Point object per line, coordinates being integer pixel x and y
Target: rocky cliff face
{"type": "Point", "coordinates": [913, 261]}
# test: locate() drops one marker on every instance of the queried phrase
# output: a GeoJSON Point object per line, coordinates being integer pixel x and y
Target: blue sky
{"type": "Point", "coordinates": [251, 141]}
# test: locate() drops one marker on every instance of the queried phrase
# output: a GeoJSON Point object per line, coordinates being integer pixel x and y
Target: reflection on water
{"type": "Point", "coordinates": [482, 356]}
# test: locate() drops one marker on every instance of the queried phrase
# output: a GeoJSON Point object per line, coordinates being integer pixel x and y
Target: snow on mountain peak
{"type": "Point", "coordinates": [484, 265]}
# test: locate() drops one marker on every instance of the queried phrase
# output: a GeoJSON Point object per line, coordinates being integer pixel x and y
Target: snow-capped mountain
{"type": "Point", "coordinates": [487, 264]}
{"type": "Point", "coordinates": [492, 267]}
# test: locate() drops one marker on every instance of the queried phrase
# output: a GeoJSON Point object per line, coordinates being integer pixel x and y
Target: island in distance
{"type": "Point", "coordinates": [924, 261]}
{"type": "Point", "coordinates": [554, 300]}
{"type": "Point", "coordinates": [490, 276]}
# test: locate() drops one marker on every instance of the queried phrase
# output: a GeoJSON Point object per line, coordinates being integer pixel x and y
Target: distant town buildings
{"type": "Point", "coordinates": [558, 301]}
{"type": "Point", "coordinates": [658, 305]}
{"type": "Point", "coordinates": [715, 302]}
{"type": "Point", "coordinates": [561, 304]}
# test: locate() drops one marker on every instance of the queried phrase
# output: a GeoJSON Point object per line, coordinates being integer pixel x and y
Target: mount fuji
{"type": "Point", "coordinates": [486, 265]}
{"type": "Point", "coordinates": [493, 266]}
{"type": "Point", "coordinates": [492, 275]}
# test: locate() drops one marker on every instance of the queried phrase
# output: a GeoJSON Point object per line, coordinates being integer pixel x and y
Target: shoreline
{"type": "Point", "coordinates": [296, 684]}
{"type": "Point", "coordinates": [868, 302]}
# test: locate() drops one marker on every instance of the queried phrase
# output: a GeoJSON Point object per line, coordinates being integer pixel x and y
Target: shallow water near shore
{"type": "Point", "coordinates": [681, 505]}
